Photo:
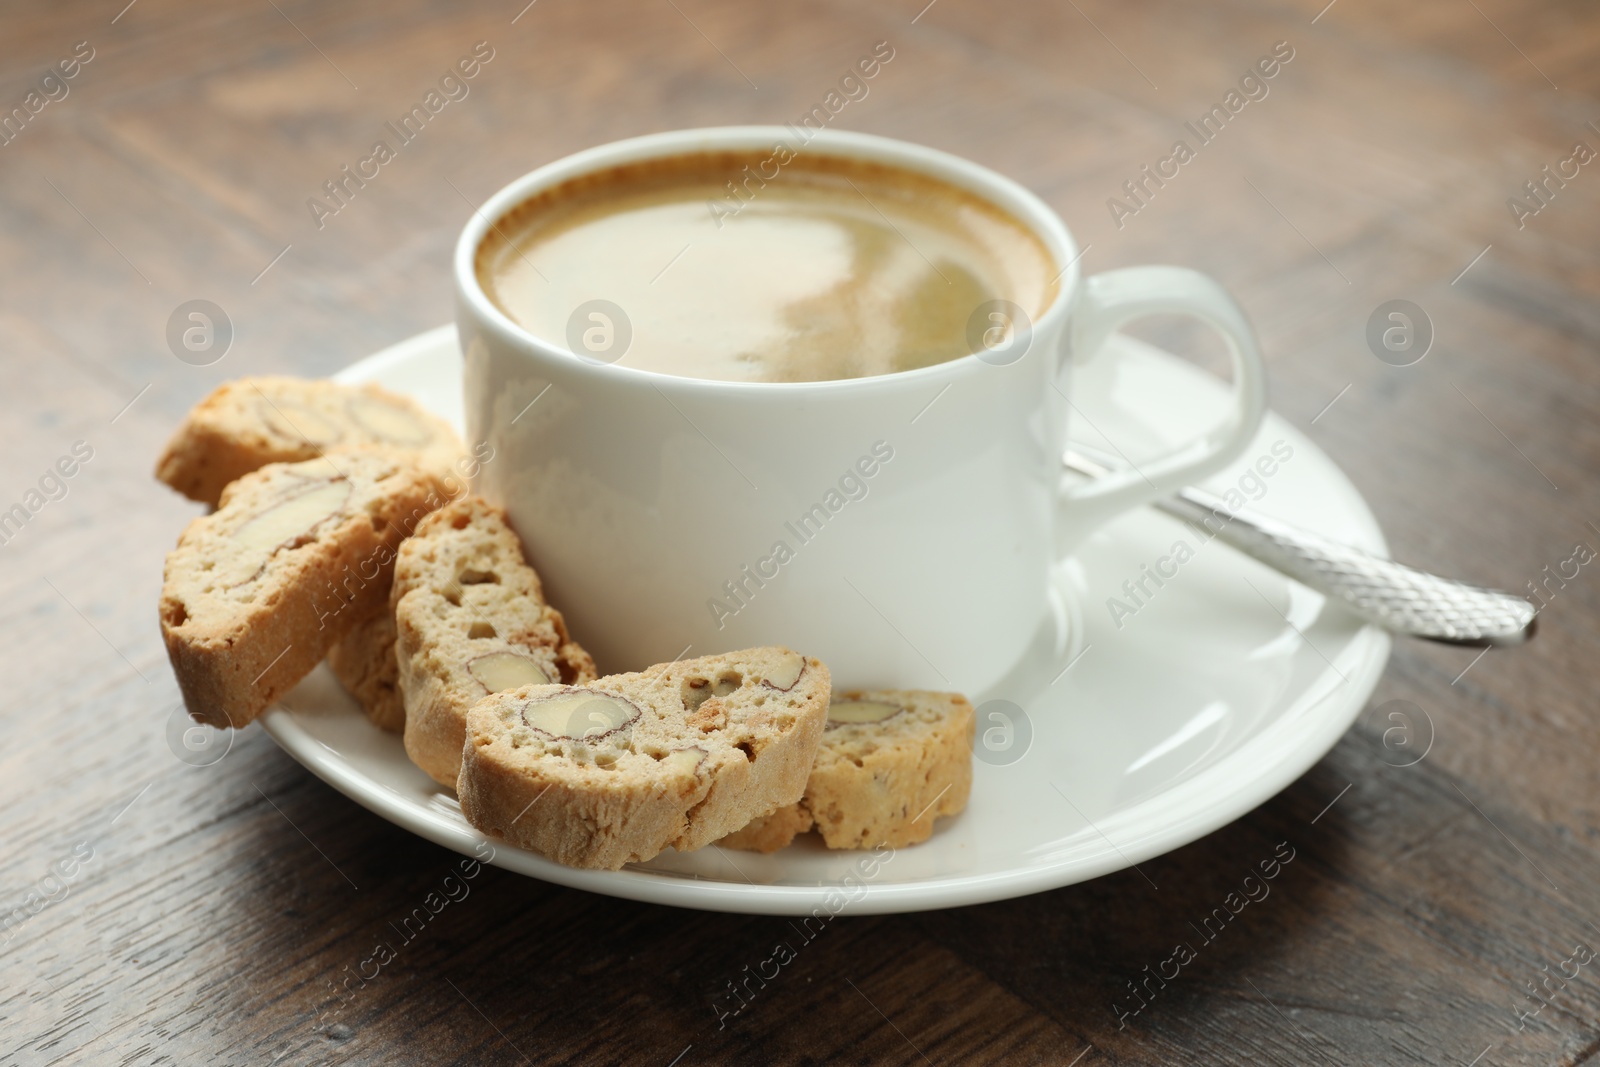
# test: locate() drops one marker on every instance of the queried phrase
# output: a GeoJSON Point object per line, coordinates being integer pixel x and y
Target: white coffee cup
{"type": "Point", "coordinates": [901, 527]}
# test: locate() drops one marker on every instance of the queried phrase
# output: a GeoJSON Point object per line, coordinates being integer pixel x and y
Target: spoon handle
{"type": "Point", "coordinates": [1398, 598]}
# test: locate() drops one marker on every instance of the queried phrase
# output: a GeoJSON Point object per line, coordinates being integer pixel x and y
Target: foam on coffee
{"type": "Point", "coordinates": [830, 269]}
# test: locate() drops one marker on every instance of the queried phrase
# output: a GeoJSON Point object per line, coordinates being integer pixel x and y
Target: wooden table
{"type": "Point", "coordinates": [210, 914]}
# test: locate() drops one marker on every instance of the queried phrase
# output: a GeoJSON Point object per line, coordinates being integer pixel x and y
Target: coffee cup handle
{"type": "Point", "coordinates": [1107, 302]}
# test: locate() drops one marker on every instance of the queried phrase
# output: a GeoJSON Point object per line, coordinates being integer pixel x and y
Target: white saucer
{"type": "Point", "coordinates": [1222, 687]}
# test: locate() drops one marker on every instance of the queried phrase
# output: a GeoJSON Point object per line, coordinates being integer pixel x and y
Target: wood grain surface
{"type": "Point", "coordinates": [213, 914]}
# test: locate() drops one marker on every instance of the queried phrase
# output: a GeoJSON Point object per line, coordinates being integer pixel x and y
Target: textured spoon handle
{"type": "Point", "coordinates": [1391, 595]}
{"type": "Point", "coordinates": [1398, 598]}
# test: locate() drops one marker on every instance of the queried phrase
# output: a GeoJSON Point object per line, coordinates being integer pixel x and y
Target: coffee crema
{"type": "Point", "coordinates": [831, 269]}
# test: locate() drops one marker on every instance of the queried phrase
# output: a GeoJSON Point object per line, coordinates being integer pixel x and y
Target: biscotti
{"type": "Point", "coordinates": [296, 555]}
{"type": "Point", "coordinates": [365, 664]}
{"type": "Point", "coordinates": [769, 833]}
{"type": "Point", "coordinates": [471, 620]}
{"type": "Point", "coordinates": [890, 762]}
{"type": "Point", "coordinates": [246, 424]}
{"type": "Point", "coordinates": [616, 771]}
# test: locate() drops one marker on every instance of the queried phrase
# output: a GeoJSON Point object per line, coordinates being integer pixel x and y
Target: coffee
{"type": "Point", "coordinates": [738, 267]}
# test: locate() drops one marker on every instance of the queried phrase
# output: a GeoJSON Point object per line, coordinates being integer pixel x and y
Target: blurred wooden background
{"type": "Point", "coordinates": [1424, 910]}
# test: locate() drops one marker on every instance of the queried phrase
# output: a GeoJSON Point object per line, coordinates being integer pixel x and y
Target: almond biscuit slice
{"type": "Point", "coordinates": [471, 619]}
{"type": "Point", "coordinates": [365, 664]}
{"type": "Point", "coordinates": [891, 761]}
{"type": "Point", "coordinates": [246, 424]}
{"type": "Point", "coordinates": [773, 831]}
{"type": "Point", "coordinates": [615, 771]}
{"type": "Point", "coordinates": [295, 557]}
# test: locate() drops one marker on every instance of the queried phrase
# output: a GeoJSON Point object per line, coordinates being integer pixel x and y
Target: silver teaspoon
{"type": "Point", "coordinates": [1400, 599]}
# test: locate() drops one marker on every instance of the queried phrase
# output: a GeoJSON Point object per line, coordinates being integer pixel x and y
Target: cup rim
{"type": "Point", "coordinates": [1003, 192]}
